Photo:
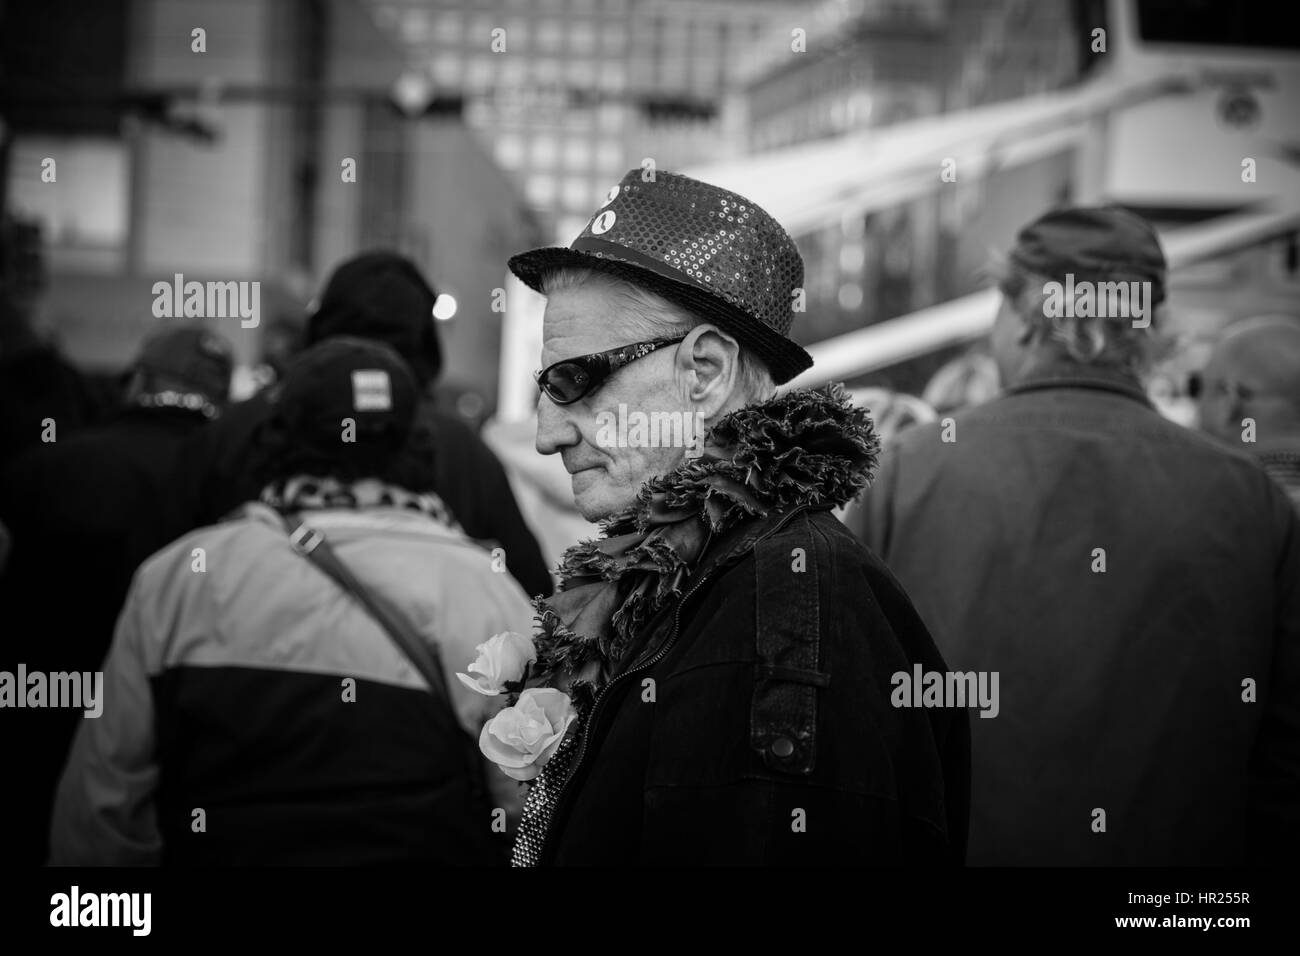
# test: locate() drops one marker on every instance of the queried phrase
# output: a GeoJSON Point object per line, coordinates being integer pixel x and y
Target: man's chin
{"type": "Point", "coordinates": [592, 495]}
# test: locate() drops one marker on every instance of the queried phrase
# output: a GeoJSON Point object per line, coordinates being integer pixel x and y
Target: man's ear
{"type": "Point", "coordinates": [709, 359]}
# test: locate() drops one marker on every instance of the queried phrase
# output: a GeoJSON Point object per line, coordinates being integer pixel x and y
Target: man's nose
{"type": "Point", "coordinates": [555, 431]}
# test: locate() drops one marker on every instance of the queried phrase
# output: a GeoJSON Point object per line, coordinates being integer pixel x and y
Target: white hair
{"type": "Point", "coordinates": [1088, 340]}
{"type": "Point", "coordinates": [649, 315]}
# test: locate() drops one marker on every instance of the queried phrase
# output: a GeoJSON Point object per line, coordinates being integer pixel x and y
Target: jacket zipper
{"type": "Point", "coordinates": [591, 717]}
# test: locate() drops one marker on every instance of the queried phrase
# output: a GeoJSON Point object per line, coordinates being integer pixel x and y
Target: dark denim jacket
{"type": "Point", "coordinates": [754, 724]}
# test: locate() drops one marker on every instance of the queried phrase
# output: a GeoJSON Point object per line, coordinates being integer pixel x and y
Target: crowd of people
{"type": "Point", "coordinates": [425, 514]}
{"type": "Point", "coordinates": [281, 592]}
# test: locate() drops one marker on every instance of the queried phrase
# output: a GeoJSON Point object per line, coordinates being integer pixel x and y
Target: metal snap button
{"type": "Point", "coordinates": [783, 746]}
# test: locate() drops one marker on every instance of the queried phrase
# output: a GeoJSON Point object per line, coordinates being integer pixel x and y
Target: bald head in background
{"type": "Point", "coordinates": [1254, 372]}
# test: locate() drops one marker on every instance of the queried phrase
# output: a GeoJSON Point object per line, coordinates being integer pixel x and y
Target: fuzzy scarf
{"type": "Point", "coordinates": [807, 447]}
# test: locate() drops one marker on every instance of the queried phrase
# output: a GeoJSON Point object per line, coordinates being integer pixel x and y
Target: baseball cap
{"type": "Point", "coordinates": [345, 377]}
{"type": "Point", "coordinates": [193, 356]}
{"type": "Point", "coordinates": [1099, 243]}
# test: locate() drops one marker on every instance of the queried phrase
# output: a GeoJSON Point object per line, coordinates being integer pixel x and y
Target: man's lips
{"type": "Point", "coordinates": [580, 470]}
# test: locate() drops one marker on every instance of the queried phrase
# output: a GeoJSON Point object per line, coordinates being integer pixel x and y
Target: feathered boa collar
{"type": "Point", "coordinates": [807, 447]}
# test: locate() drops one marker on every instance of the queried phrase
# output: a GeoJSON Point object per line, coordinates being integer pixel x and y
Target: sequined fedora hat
{"type": "Point", "coordinates": [708, 250]}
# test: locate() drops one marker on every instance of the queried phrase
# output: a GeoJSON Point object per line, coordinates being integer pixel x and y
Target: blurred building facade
{"type": "Point", "coordinates": [871, 65]}
{"type": "Point", "coordinates": [873, 78]}
{"type": "Point", "coordinates": [230, 157]}
{"type": "Point", "coordinates": [861, 65]}
{"type": "Point", "coordinates": [570, 94]}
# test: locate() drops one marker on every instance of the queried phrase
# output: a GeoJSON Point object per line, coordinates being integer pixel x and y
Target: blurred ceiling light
{"type": "Point", "coordinates": [413, 92]}
{"type": "Point", "coordinates": [852, 257]}
{"type": "Point", "coordinates": [850, 296]}
{"type": "Point", "coordinates": [415, 25]}
{"type": "Point", "coordinates": [444, 307]}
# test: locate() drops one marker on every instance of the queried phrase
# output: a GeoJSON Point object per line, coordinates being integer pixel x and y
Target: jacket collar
{"type": "Point", "coordinates": [1058, 373]}
{"type": "Point", "coordinates": [721, 552]}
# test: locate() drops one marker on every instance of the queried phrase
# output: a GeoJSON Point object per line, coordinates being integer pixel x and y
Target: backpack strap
{"type": "Point", "coordinates": [787, 633]}
{"type": "Point", "coordinates": [312, 544]}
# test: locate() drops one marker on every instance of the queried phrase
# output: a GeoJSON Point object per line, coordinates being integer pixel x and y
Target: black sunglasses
{"type": "Point", "coordinates": [1198, 384]}
{"type": "Point", "coordinates": [569, 380]}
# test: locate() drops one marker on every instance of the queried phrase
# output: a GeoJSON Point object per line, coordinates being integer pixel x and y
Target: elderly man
{"type": "Point", "coordinates": [727, 645]}
{"type": "Point", "coordinates": [1250, 395]}
{"type": "Point", "coordinates": [1134, 585]}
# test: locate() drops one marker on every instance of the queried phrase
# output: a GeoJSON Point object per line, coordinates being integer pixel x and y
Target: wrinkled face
{"type": "Point", "coordinates": [1216, 403]}
{"type": "Point", "coordinates": [606, 472]}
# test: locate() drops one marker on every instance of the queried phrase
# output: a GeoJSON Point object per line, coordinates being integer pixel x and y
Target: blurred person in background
{"type": "Point", "coordinates": [37, 383]}
{"type": "Point", "coordinates": [1249, 395]}
{"type": "Point", "coordinates": [1136, 587]}
{"type": "Point", "coordinates": [379, 296]}
{"type": "Point", "coordinates": [76, 509]}
{"type": "Point", "coordinates": [266, 693]}
{"type": "Point", "coordinates": [967, 380]}
{"type": "Point", "coordinates": [892, 412]}
{"type": "Point", "coordinates": [282, 340]}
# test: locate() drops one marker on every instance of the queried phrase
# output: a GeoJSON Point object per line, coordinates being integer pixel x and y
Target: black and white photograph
{"type": "Point", "coordinates": [441, 439]}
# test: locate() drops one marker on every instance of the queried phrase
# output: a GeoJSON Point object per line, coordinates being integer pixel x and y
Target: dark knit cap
{"type": "Point", "coordinates": [381, 295]}
{"type": "Point", "coordinates": [192, 356]}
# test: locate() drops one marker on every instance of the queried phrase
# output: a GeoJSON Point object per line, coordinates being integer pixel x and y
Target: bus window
{"type": "Point", "coordinates": [1214, 23]}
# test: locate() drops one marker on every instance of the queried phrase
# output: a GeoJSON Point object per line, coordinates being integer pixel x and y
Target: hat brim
{"type": "Point", "coordinates": [783, 358]}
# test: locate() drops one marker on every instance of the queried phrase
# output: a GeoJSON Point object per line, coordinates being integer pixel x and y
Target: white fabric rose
{"type": "Point", "coordinates": [502, 660]}
{"type": "Point", "coordinates": [521, 739]}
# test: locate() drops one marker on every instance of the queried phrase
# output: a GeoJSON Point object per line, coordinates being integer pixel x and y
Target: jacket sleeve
{"type": "Point", "coordinates": [1275, 762]}
{"type": "Point", "coordinates": [498, 604]}
{"type": "Point", "coordinates": [104, 811]}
